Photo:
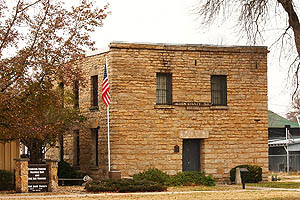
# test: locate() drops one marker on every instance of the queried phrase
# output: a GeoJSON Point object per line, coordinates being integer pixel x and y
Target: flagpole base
{"type": "Point", "coordinates": [114, 174]}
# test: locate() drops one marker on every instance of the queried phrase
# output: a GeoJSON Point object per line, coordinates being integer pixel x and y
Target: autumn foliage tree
{"type": "Point", "coordinates": [39, 39]}
{"type": "Point", "coordinates": [257, 19]}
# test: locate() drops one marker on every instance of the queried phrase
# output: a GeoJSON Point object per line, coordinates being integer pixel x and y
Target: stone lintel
{"type": "Point", "coordinates": [52, 160]}
{"type": "Point", "coordinates": [94, 124]}
{"type": "Point", "coordinates": [21, 159]}
{"type": "Point", "coordinates": [194, 134]}
{"type": "Point", "coordinates": [219, 72]}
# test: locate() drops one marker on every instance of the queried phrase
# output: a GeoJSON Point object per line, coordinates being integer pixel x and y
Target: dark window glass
{"type": "Point", "coordinates": [95, 90]}
{"type": "Point", "coordinates": [61, 147]}
{"type": "Point", "coordinates": [95, 156]}
{"type": "Point", "coordinates": [76, 148]}
{"type": "Point", "coordinates": [76, 94]}
{"type": "Point", "coordinates": [164, 88]}
{"type": "Point", "coordinates": [62, 92]}
{"type": "Point", "coordinates": [219, 90]}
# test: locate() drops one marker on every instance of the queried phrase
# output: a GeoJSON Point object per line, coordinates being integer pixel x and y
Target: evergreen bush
{"type": "Point", "coordinates": [191, 178]}
{"type": "Point", "coordinates": [124, 185]}
{"type": "Point", "coordinates": [254, 174]}
{"type": "Point", "coordinates": [152, 180]}
{"type": "Point", "coordinates": [6, 180]}
{"type": "Point", "coordinates": [154, 175]}
{"type": "Point", "coordinates": [65, 170]}
{"type": "Point", "coordinates": [181, 178]}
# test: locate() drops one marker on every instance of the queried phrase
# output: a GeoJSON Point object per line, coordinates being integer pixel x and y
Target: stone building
{"type": "Point", "coordinates": [173, 107]}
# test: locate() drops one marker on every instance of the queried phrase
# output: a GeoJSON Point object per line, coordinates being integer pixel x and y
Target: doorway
{"type": "Point", "coordinates": [191, 155]}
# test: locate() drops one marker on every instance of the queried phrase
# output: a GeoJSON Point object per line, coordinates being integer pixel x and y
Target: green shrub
{"type": "Point", "coordinates": [208, 181]}
{"type": "Point", "coordinates": [65, 170]}
{"type": "Point", "coordinates": [191, 178]}
{"type": "Point", "coordinates": [254, 174]}
{"type": "Point", "coordinates": [181, 178]}
{"type": "Point", "coordinates": [154, 175]}
{"type": "Point", "coordinates": [124, 185]}
{"type": "Point", "coordinates": [6, 180]}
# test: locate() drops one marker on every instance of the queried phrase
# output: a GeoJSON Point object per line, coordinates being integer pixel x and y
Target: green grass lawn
{"type": "Point", "coordinates": [288, 185]}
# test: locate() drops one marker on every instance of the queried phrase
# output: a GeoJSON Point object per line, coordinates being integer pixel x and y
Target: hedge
{"type": "Point", "coordinates": [152, 180]}
{"type": "Point", "coordinates": [154, 175]}
{"type": "Point", "coordinates": [124, 185]}
{"type": "Point", "coordinates": [66, 171]}
{"type": "Point", "coordinates": [6, 180]}
{"type": "Point", "coordinates": [181, 178]}
{"type": "Point", "coordinates": [191, 178]}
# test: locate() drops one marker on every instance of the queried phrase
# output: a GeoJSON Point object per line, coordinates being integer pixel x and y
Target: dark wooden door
{"type": "Point", "coordinates": [191, 155]}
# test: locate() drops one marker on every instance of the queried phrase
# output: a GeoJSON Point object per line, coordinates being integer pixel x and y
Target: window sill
{"type": "Point", "coordinates": [164, 107]}
{"type": "Point", "coordinates": [219, 107]}
{"type": "Point", "coordinates": [94, 168]}
{"type": "Point", "coordinates": [94, 108]}
{"type": "Point", "coordinates": [76, 167]}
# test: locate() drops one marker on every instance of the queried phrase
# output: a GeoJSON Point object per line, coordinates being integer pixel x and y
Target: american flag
{"type": "Point", "coordinates": [105, 89]}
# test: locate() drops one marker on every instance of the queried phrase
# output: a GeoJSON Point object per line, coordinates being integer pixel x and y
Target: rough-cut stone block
{"type": "Point", "coordinates": [143, 134]}
{"type": "Point", "coordinates": [21, 174]}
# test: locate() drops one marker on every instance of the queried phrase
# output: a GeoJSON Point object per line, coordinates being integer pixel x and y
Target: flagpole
{"type": "Point", "coordinates": [108, 136]}
{"type": "Point", "coordinates": [108, 139]}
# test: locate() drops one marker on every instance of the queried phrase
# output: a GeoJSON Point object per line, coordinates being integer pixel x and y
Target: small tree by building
{"type": "Point", "coordinates": [38, 41]}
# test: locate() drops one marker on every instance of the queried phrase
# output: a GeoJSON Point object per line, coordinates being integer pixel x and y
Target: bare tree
{"type": "Point", "coordinates": [253, 19]}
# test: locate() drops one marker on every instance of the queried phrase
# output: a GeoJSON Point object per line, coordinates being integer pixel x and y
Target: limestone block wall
{"type": "Point", "coordinates": [96, 118]}
{"type": "Point", "coordinates": [144, 134]}
{"type": "Point", "coordinates": [68, 147]}
{"type": "Point", "coordinates": [52, 153]}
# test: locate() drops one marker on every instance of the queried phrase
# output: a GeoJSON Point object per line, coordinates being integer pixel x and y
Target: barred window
{"type": "Point", "coordinates": [219, 90]}
{"type": "Point", "coordinates": [95, 90]}
{"type": "Point", "coordinates": [62, 92]}
{"type": "Point", "coordinates": [76, 94]}
{"type": "Point", "coordinates": [164, 88]}
{"type": "Point", "coordinates": [95, 155]}
{"type": "Point", "coordinates": [76, 148]}
{"type": "Point", "coordinates": [61, 147]}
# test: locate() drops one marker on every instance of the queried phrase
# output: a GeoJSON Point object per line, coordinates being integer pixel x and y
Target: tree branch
{"type": "Point", "coordinates": [10, 26]}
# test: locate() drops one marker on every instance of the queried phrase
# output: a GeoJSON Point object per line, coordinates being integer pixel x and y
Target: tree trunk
{"type": "Point", "coordinates": [35, 150]}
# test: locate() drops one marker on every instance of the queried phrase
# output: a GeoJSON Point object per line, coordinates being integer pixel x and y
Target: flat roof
{"type": "Point", "coordinates": [188, 47]}
{"type": "Point", "coordinates": [183, 45]}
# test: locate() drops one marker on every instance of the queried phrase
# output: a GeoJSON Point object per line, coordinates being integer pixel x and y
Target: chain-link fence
{"type": "Point", "coordinates": [277, 163]}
